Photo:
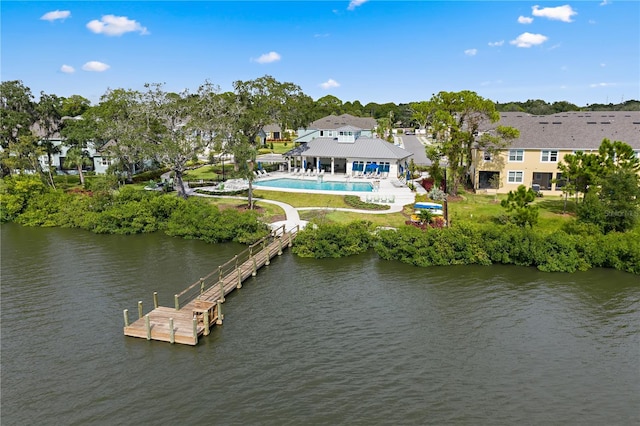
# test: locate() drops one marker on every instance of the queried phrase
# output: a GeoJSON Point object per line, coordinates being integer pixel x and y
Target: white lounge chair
{"type": "Point", "coordinates": [263, 172]}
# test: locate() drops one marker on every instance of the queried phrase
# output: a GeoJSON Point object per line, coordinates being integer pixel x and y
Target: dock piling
{"type": "Point", "coordinates": [176, 300]}
{"type": "Point", "coordinates": [147, 325]}
{"type": "Point", "coordinates": [206, 323]}
{"type": "Point", "coordinates": [139, 309]}
{"type": "Point", "coordinates": [195, 330]}
{"type": "Point", "coordinates": [222, 290]}
{"type": "Point", "coordinates": [172, 332]}
{"type": "Point", "coordinates": [220, 316]}
{"type": "Point", "coordinates": [155, 300]}
{"type": "Point", "coordinates": [126, 317]}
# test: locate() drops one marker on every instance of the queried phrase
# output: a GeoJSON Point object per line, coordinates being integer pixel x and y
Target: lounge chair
{"type": "Point", "coordinates": [263, 172]}
{"type": "Point", "coordinates": [257, 174]}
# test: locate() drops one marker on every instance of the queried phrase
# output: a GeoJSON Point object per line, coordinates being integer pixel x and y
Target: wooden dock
{"type": "Point", "coordinates": [199, 307]}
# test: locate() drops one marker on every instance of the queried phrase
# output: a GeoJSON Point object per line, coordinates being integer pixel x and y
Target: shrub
{"type": "Point", "coordinates": [333, 240]}
{"type": "Point", "coordinates": [149, 175]}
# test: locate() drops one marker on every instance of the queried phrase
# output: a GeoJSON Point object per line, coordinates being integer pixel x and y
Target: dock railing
{"type": "Point", "coordinates": [216, 277]}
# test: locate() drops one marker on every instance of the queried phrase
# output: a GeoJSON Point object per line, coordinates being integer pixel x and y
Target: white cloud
{"type": "Point", "coordinates": [324, 35]}
{"type": "Point", "coordinates": [496, 43]}
{"type": "Point", "coordinates": [602, 85]}
{"type": "Point", "coordinates": [330, 84]}
{"type": "Point", "coordinates": [528, 40]}
{"type": "Point", "coordinates": [471, 52]}
{"type": "Point", "coordinates": [355, 3]}
{"type": "Point", "coordinates": [559, 13]}
{"type": "Point", "coordinates": [268, 58]}
{"type": "Point", "coordinates": [67, 69]}
{"type": "Point", "coordinates": [525, 19]}
{"type": "Point", "coordinates": [603, 65]}
{"type": "Point", "coordinates": [95, 66]}
{"type": "Point", "coordinates": [112, 25]}
{"type": "Point", "coordinates": [55, 15]}
{"type": "Point", "coordinates": [604, 3]}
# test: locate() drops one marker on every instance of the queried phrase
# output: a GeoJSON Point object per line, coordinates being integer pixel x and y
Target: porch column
{"type": "Point", "coordinates": [333, 161]}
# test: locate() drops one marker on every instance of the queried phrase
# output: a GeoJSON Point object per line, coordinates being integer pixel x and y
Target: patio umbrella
{"type": "Point", "coordinates": [408, 175]}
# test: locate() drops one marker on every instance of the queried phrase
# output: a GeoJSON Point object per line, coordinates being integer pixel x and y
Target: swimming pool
{"type": "Point", "coordinates": [315, 185]}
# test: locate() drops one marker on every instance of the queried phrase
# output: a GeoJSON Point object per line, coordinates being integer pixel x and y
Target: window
{"type": "Point", "coordinates": [487, 155]}
{"type": "Point", "coordinates": [516, 155]}
{"type": "Point", "coordinates": [542, 179]}
{"type": "Point", "coordinates": [548, 156]}
{"type": "Point", "coordinates": [560, 182]}
{"type": "Point", "coordinates": [105, 161]}
{"type": "Point", "coordinates": [358, 166]}
{"type": "Point", "coordinates": [515, 177]}
{"type": "Point", "coordinates": [321, 133]}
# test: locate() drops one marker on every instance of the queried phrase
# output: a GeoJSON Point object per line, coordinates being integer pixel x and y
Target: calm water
{"type": "Point", "coordinates": [315, 185]}
{"type": "Point", "coordinates": [350, 341]}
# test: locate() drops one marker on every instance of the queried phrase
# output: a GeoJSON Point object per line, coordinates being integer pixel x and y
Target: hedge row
{"type": "Point", "coordinates": [129, 211]}
{"type": "Point", "coordinates": [484, 245]}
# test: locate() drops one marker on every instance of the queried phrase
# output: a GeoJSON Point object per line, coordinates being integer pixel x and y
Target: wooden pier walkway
{"type": "Point", "coordinates": [198, 307]}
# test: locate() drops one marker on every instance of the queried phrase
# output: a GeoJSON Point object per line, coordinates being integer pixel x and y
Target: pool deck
{"type": "Point", "coordinates": [384, 188]}
{"type": "Point", "coordinates": [389, 191]}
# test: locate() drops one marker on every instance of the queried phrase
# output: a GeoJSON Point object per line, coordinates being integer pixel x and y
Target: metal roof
{"type": "Point", "coordinates": [363, 147]}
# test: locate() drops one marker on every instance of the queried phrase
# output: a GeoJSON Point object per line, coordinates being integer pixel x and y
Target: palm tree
{"type": "Point", "coordinates": [77, 157]}
{"type": "Point", "coordinates": [425, 216]}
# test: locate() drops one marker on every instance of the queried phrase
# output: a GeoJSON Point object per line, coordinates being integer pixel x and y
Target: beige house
{"type": "Point", "coordinates": [533, 158]}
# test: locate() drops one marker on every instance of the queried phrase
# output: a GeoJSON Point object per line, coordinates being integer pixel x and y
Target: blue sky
{"type": "Point", "coordinates": [373, 51]}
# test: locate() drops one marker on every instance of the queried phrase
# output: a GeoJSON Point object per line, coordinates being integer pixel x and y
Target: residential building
{"type": "Point", "coordinates": [328, 127]}
{"type": "Point", "coordinates": [350, 150]}
{"type": "Point", "coordinates": [533, 158]}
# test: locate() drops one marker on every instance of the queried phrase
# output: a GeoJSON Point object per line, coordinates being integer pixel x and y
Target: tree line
{"type": "Point", "coordinates": [173, 128]}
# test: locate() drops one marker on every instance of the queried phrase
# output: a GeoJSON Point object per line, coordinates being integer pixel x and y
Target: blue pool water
{"type": "Point", "coordinates": [312, 184]}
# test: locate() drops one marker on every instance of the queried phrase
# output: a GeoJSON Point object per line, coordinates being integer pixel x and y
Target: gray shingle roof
{"type": "Point", "coordinates": [572, 130]}
{"type": "Point", "coordinates": [332, 122]}
{"type": "Point", "coordinates": [369, 148]}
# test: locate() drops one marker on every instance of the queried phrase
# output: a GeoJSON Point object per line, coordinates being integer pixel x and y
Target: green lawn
{"type": "Point", "coordinates": [485, 208]}
{"type": "Point", "coordinates": [298, 199]}
{"type": "Point", "coordinates": [279, 147]}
